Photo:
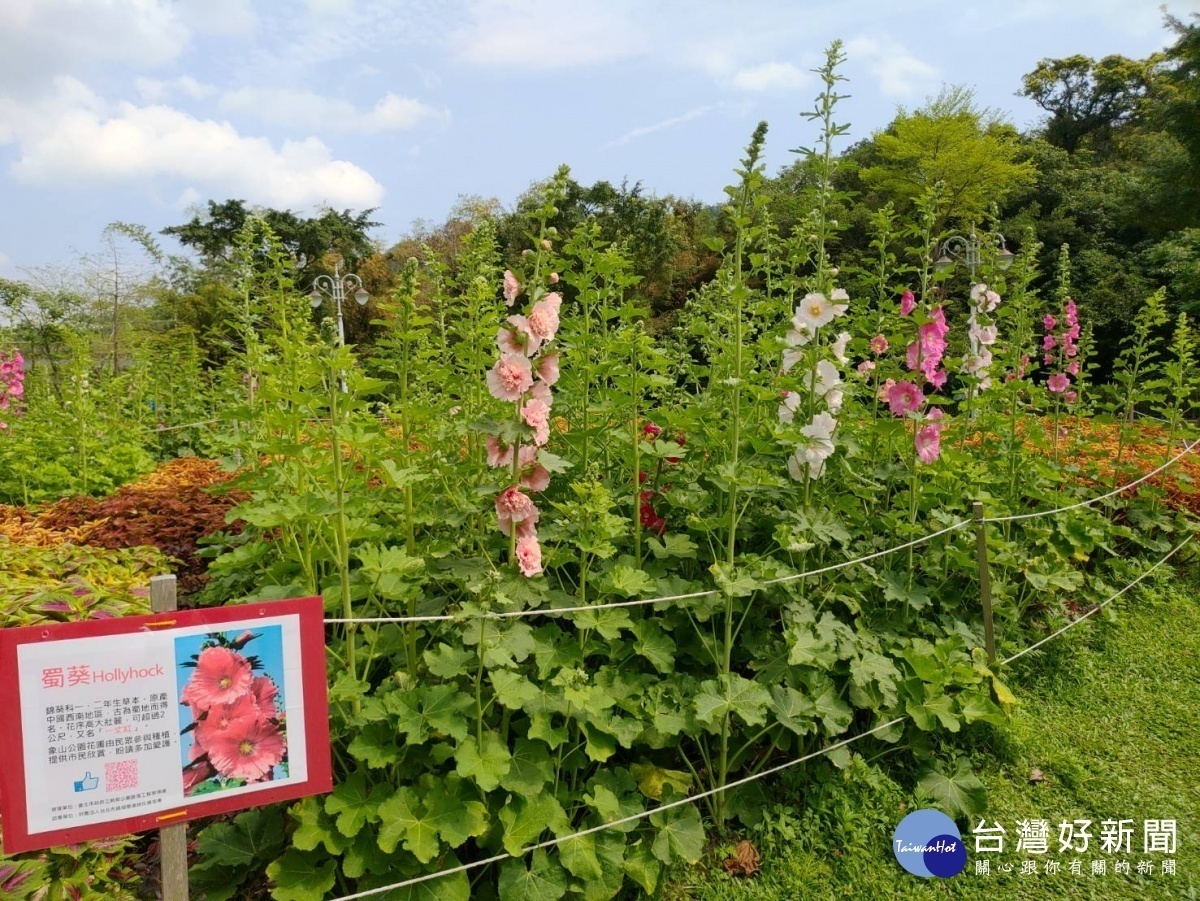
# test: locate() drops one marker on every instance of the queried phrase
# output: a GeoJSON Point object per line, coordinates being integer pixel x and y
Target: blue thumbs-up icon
{"type": "Point", "coordinates": [87, 783]}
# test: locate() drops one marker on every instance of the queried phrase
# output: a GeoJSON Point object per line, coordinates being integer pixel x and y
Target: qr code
{"type": "Point", "coordinates": [121, 775]}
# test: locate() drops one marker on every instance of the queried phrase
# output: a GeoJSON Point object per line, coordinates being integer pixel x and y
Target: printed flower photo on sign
{"type": "Point", "coordinates": [231, 709]}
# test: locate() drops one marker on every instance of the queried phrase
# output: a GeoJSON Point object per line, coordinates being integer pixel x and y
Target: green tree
{"type": "Point", "coordinates": [970, 150]}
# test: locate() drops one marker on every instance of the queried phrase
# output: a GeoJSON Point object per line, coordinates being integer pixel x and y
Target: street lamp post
{"type": "Point", "coordinates": [336, 286]}
{"type": "Point", "coordinates": [957, 249]}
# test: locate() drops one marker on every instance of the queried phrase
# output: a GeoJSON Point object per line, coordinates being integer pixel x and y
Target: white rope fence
{"type": "Point", "coordinates": [700, 796]}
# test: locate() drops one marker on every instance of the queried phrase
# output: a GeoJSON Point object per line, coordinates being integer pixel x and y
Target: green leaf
{"type": "Point", "coordinates": [447, 662]}
{"type": "Point", "coordinates": [545, 880]}
{"type": "Point", "coordinates": [628, 581]}
{"type": "Point", "coordinates": [299, 877]}
{"type": "Point", "coordinates": [680, 834]}
{"type": "Point", "coordinates": [673, 544]}
{"type": "Point", "coordinates": [642, 866]}
{"type": "Point", "coordinates": [513, 690]}
{"type": "Point", "coordinates": [486, 764]}
{"type": "Point", "coordinates": [403, 817]}
{"type": "Point", "coordinates": [527, 818]}
{"type": "Point", "coordinates": [375, 745]}
{"type": "Point", "coordinates": [940, 706]}
{"type": "Point", "coordinates": [793, 710]}
{"type": "Point", "coordinates": [316, 828]}
{"type": "Point", "coordinates": [532, 767]}
{"type": "Point", "coordinates": [254, 835]}
{"type": "Point", "coordinates": [959, 794]}
{"type": "Point", "coordinates": [454, 809]}
{"type": "Point", "coordinates": [976, 707]}
{"type": "Point", "coordinates": [578, 855]}
{"type": "Point", "coordinates": [654, 644]}
{"type": "Point", "coordinates": [835, 714]}
{"type": "Point", "coordinates": [354, 804]}
{"type": "Point", "coordinates": [809, 650]}
{"type": "Point", "coordinates": [653, 779]}
{"type": "Point", "coordinates": [734, 694]}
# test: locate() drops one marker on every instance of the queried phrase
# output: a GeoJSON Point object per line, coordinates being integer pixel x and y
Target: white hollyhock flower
{"type": "Point", "coordinates": [839, 347]}
{"type": "Point", "coordinates": [814, 311]}
{"type": "Point", "coordinates": [789, 406]}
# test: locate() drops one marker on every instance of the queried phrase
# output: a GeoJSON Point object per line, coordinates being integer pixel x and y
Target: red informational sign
{"type": "Point", "coordinates": [141, 722]}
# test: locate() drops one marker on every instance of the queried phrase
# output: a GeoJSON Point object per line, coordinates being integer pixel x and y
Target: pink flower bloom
{"type": "Point", "coordinates": [938, 379]}
{"type": "Point", "coordinates": [543, 318]}
{"type": "Point", "coordinates": [885, 388]}
{"type": "Point", "coordinates": [1049, 323]}
{"type": "Point", "coordinates": [1058, 383]}
{"type": "Point", "coordinates": [220, 677]}
{"type": "Point", "coordinates": [514, 507]}
{"type": "Point", "coordinates": [512, 288]}
{"type": "Point", "coordinates": [536, 479]}
{"type": "Point", "coordinates": [510, 377]}
{"type": "Point", "coordinates": [928, 442]}
{"type": "Point", "coordinates": [547, 368]}
{"type": "Point", "coordinates": [554, 278]}
{"type": "Point", "coordinates": [1070, 397]}
{"type": "Point", "coordinates": [529, 555]}
{"type": "Point", "coordinates": [265, 692]}
{"type": "Point", "coordinates": [237, 715]}
{"type": "Point", "coordinates": [541, 391]}
{"type": "Point", "coordinates": [904, 398]}
{"type": "Point", "coordinates": [1072, 314]}
{"type": "Point", "coordinates": [1073, 367]}
{"type": "Point", "coordinates": [651, 431]}
{"type": "Point", "coordinates": [249, 753]}
{"type": "Point", "coordinates": [536, 414]}
{"type": "Point", "coordinates": [497, 454]}
{"type": "Point", "coordinates": [1049, 342]}
{"type": "Point", "coordinates": [866, 366]}
{"type": "Point", "coordinates": [908, 303]}
{"type": "Point", "coordinates": [519, 338]}
{"type": "Point", "coordinates": [879, 345]}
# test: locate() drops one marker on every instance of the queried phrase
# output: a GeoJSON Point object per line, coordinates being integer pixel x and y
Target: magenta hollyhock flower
{"type": "Point", "coordinates": [904, 398]}
{"type": "Point", "coordinates": [879, 345]}
{"type": "Point", "coordinates": [866, 366]}
{"type": "Point", "coordinates": [536, 414]}
{"type": "Point", "coordinates": [237, 715]}
{"type": "Point", "coordinates": [543, 318]}
{"type": "Point", "coordinates": [529, 555]}
{"type": "Point", "coordinates": [1058, 383]}
{"type": "Point", "coordinates": [220, 677]}
{"type": "Point", "coordinates": [928, 442]}
{"type": "Point", "coordinates": [1049, 342]}
{"type": "Point", "coordinates": [1073, 367]}
{"type": "Point", "coordinates": [938, 379]}
{"type": "Point", "coordinates": [249, 753]}
{"type": "Point", "coordinates": [510, 377]}
{"type": "Point", "coordinates": [547, 368]}
{"type": "Point", "coordinates": [1070, 397]}
{"type": "Point", "coordinates": [512, 288]}
{"type": "Point", "coordinates": [908, 303]}
{"type": "Point", "coordinates": [651, 431]}
{"type": "Point", "coordinates": [1049, 322]}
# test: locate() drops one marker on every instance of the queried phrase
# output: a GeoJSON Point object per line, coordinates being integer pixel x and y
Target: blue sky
{"type": "Point", "coordinates": [137, 110]}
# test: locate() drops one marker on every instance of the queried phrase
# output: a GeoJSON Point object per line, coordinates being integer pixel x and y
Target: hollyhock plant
{"type": "Point", "coordinates": [903, 397]}
{"type": "Point", "coordinates": [981, 335]}
{"type": "Point", "coordinates": [523, 375]}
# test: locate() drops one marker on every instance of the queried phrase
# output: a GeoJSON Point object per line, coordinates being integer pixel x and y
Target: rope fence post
{"type": "Point", "coordinates": [985, 582]}
{"type": "Point", "coordinates": [172, 840]}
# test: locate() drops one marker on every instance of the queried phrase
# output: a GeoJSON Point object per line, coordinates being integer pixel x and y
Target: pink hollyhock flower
{"type": "Point", "coordinates": [1058, 383]}
{"type": "Point", "coordinates": [536, 479]}
{"type": "Point", "coordinates": [265, 692]}
{"type": "Point", "coordinates": [879, 345]}
{"type": "Point", "coordinates": [547, 368]}
{"type": "Point", "coordinates": [510, 377]}
{"type": "Point", "coordinates": [1072, 315]}
{"type": "Point", "coordinates": [497, 454]}
{"type": "Point", "coordinates": [1070, 397]}
{"type": "Point", "coordinates": [16, 389]}
{"type": "Point", "coordinates": [1049, 342]}
{"type": "Point", "coordinates": [541, 391]}
{"type": "Point", "coordinates": [1048, 358]}
{"type": "Point", "coordinates": [1049, 322]}
{"type": "Point", "coordinates": [194, 774]}
{"type": "Point", "coordinates": [908, 303]}
{"type": "Point", "coordinates": [935, 413]}
{"type": "Point", "coordinates": [250, 753]}
{"type": "Point", "coordinates": [904, 398]}
{"type": "Point", "coordinates": [886, 388]}
{"type": "Point", "coordinates": [554, 278]}
{"type": "Point", "coordinates": [512, 288]}
{"type": "Point", "coordinates": [237, 715]}
{"type": "Point", "coordinates": [651, 431]}
{"type": "Point", "coordinates": [1073, 367]}
{"type": "Point", "coordinates": [938, 379]}
{"type": "Point", "coordinates": [543, 318]}
{"type": "Point", "coordinates": [529, 555]}
{"type": "Point", "coordinates": [866, 366]}
{"type": "Point", "coordinates": [928, 442]}
{"type": "Point", "coordinates": [220, 677]}
{"type": "Point", "coordinates": [536, 414]}
{"type": "Point", "coordinates": [514, 507]}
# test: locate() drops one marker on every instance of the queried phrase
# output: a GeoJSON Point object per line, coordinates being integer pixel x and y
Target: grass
{"type": "Point", "coordinates": [1110, 714]}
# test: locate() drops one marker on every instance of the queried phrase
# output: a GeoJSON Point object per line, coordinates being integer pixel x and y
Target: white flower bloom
{"type": "Point", "coordinates": [789, 406]}
{"type": "Point", "coordinates": [978, 291]}
{"type": "Point", "coordinates": [834, 400]}
{"type": "Point", "coordinates": [993, 301]}
{"type": "Point", "coordinates": [791, 358]}
{"type": "Point", "coordinates": [821, 428]}
{"type": "Point", "coordinates": [839, 347]}
{"type": "Point", "coordinates": [814, 311]}
{"type": "Point", "coordinates": [798, 336]}
{"type": "Point", "coordinates": [828, 378]}
{"type": "Point", "coordinates": [799, 466]}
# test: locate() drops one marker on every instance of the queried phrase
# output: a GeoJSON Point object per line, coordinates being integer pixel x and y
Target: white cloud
{"type": "Point", "coordinates": [75, 137]}
{"type": "Point", "coordinates": [536, 35]}
{"type": "Point", "coordinates": [675, 121]}
{"type": "Point", "coordinates": [899, 73]}
{"type": "Point", "coordinates": [771, 77]}
{"type": "Point", "coordinates": [286, 106]}
{"type": "Point", "coordinates": [156, 90]}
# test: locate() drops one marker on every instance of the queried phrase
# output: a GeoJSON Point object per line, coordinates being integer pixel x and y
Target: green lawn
{"type": "Point", "coordinates": [1110, 713]}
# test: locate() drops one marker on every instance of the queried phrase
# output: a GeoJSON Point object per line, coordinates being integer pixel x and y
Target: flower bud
{"type": "Point", "coordinates": [545, 243]}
